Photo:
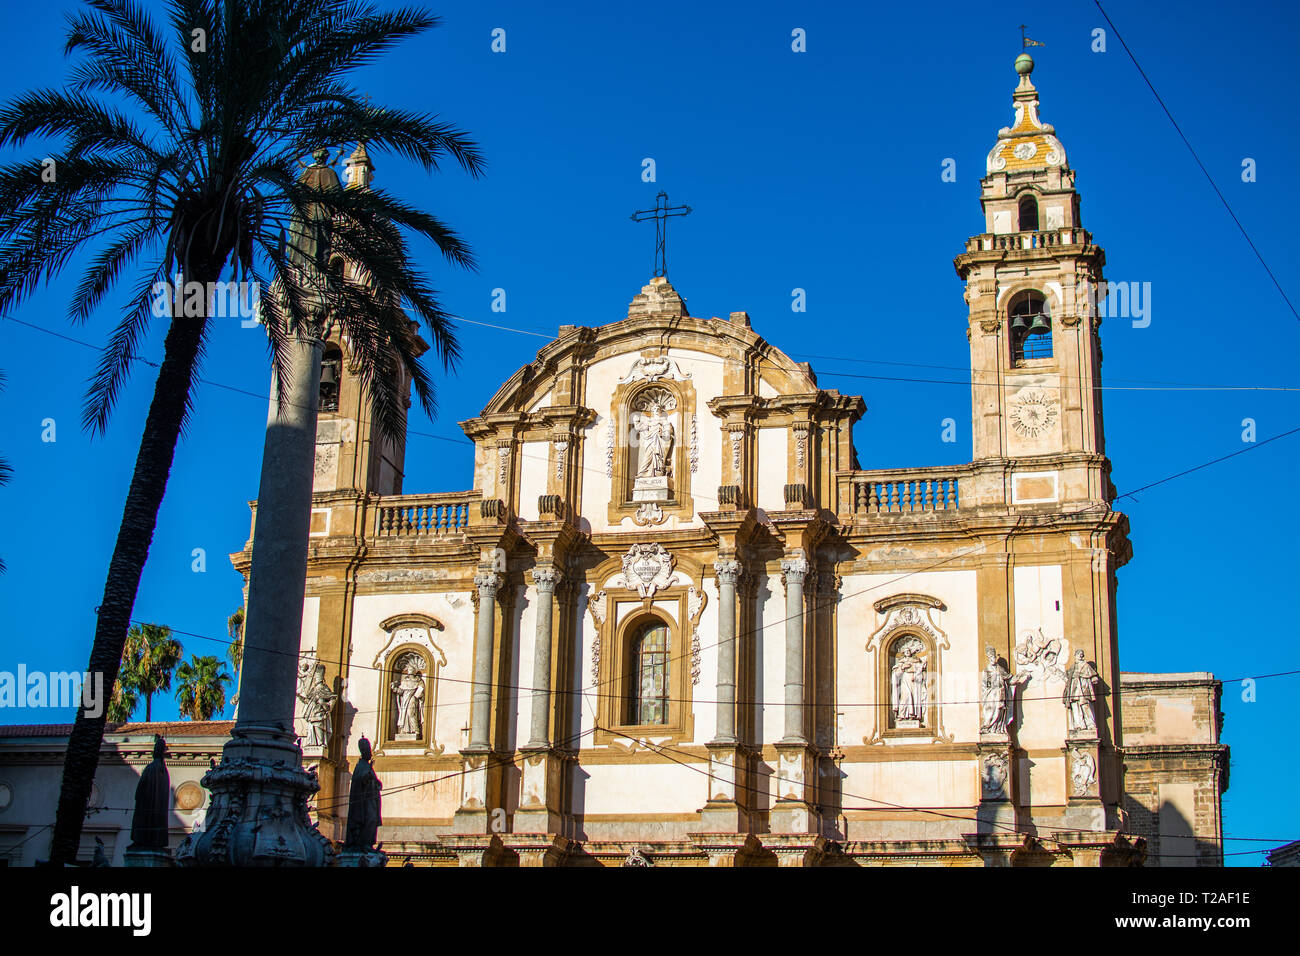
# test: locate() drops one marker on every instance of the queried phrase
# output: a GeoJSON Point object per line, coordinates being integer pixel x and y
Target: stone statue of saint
{"type": "Point", "coordinates": [309, 227]}
{"type": "Point", "coordinates": [654, 432]}
{"type": "Point", "coordinates": [363, 804]}
{"type": "Point", "coordinates": [408, 691]}
{"type": "Point", "coordinates": [995, 695]}
{"type": "Point", "coordinates": [907, 684]}
{"type": "Point", "coordinates": [152, 802]}
{"type": "Point", "coordinates": [1080, 696]}
{"type": "Point", "coordinates": [318, 706]}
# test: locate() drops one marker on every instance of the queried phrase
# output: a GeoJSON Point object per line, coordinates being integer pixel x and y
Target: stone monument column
{"type": "Point", "coordinates": [260, 791]}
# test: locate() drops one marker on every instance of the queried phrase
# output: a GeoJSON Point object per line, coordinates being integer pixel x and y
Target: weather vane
{"type": "Point", "coordinates": [1025, 42]}
{"type": "Point", "coordinates": [660, 214]}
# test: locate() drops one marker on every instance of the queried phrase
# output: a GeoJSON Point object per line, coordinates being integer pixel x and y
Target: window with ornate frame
{"type": "Point", "coordinates": [644, 671]}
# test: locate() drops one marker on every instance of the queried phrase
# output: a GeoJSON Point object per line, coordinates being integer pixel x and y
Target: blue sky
{"type": "Point", "coordinates": [816, 170]}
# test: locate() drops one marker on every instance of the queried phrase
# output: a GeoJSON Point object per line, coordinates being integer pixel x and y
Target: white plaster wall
{"type": "Point", "coordinates": [958, 692]}
{"type": "Point", "coordinates": [362, 692]}
{"type": "Point", "coordinates": [525, 653]}
{"type": "Point", "coordinates": [772, 468]}
{"type": "Point", "coordinates": [658, 787]}
{"type": "Point", "coordinates": [887, 785]}
{"type": "Point", "coordinates": [1046, 778]}
{"type": "Point", "coordinates": [533, 464]}
{"type": "Point", "coordinates": [1042, 716]}
{"type": "Point", "coordinates": [770, 638]}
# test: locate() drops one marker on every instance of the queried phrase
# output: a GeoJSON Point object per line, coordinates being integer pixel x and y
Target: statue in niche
{"type": "Point", "coordinates": [908, 693]}
{"type": "Point", "coordinates": [654, 433]}
{"type": "Point", "coordinates": [995, 695]}
{"type": "Point", "coordinates": [408, 695]}
{"type": "Point", "coordinates": [318, 705]}
{"type": "Point", "coordinates": [1081, 696]}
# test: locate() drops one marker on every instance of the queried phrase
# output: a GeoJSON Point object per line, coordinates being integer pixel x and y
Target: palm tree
{"type": "Point", "coordinates": [6, 470]}
{"type": "Point", "coordinates": [152, 654]}
{"type": "Point", "coordinates": [235, 628]}
{"type": "Point", "coordinates": [187, 171]}
{"type": "Point", "coordinates": [125, 698]}
{"type": "Point", "coordinates": [201, 687]}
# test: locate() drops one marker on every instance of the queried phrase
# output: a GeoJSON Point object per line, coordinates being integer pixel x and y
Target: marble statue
{"type": "Point", "coordinates": [152, 802]}
{"type": "Point", "coordinates": [100, 857]}
{"type": "Point", "coordinates": [995, 695]}
{"type": "Point", "coordinates": [655, 435]}
{"type": "Point", "coordinates": [364, 817]}
{"type": "Point", "coordinates": [318, 705]}
{"type": "Point", "coordinates": [1080, 696]}
{"type": "Point", "coordinates": [908, 692]}
{"type": "Point", "coordinates": [408, 692]}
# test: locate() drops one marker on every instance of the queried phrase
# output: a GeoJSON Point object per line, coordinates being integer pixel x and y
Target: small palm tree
{"type": "Point", "coordinates": [125, 699]}
{"type": "Point", "coordinates": [201, 687]}
{"type": "Point", "coordinates": [235, 628]}
{"type": "Point", "coordinates": [150, 656]}
{"type": "Point", "coordinates": [179, 160]}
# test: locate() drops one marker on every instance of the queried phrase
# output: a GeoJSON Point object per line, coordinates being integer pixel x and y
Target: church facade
{"type": "Point", "coordinates": [675, 620]}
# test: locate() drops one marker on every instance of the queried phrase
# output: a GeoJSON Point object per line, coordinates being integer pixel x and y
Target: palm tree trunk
{"type": "Point", "coordinates": [139, 517]}
{"type": "Point", "coordinates": [148, 701]}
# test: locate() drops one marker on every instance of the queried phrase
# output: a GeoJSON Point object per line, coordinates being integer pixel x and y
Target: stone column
{"type": "Point", "coordinates": [480, 716]}
{"type": "Point", "coordinates": [259, 791]}
{"type": "Point", "coordinates": [545, 579]}
{"type": "Point", "coordinates": [793, 571]}
{"type": "Point", "coordinates": [727, 572]}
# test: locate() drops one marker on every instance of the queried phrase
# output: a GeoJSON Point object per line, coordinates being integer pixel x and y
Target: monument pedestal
{"type": "Point", "coordinates": [258, 815]}
{"type": "Point", "coordinates": [148, 856]}
{"type": "Point", "coordinates": [541, 780]}
{"type": "Point", "coordinates": [996, 812]}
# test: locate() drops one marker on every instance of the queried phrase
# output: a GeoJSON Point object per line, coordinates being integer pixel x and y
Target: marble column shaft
{"type": "Point", "coordinates": [793, 571]}
{"type": "Point", "coordinates": [480, 719]}
{"type": "Point", "coordinates": [545, 579]}
{"type": "Point", "coordinates": [727, 571]}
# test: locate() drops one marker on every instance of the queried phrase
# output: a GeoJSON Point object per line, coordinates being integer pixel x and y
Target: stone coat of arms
{"type": "Point", "coordinates": [647, 568]}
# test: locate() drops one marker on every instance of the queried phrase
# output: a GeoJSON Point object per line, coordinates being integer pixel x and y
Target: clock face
{"type": "Point", "coordinates": [1033, 412]}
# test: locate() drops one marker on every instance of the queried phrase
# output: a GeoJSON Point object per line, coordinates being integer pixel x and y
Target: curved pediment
{"type": "Point", "coordinates": [660, 341]}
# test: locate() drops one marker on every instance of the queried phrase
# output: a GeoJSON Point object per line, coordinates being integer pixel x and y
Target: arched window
{"type": "Point", "coordinates": [330, 367]}
{"type": "Point", "coordinates": [1031, 328]}
{"type": "Point", "coordinates": [1028, 214]}
{"type": "Point", "coordinates": [648, 681]}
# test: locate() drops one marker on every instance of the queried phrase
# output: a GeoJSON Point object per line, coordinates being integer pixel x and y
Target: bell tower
{"type": "Point", "coordinates": [352, 453]}
{"type": "Point", "coordinates": [1034, 346]}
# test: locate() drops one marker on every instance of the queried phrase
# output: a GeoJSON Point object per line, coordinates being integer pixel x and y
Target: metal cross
{"type": "Point", "coordinates": [660, 214]}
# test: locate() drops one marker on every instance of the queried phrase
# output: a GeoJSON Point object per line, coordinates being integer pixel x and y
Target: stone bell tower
{"type": "Point", "coordinates": [352, 454]}
{"type": "Point", "coordinates": [1034, 347]}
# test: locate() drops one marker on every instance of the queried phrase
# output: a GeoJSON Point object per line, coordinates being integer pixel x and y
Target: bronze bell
{"type": "Point", "coordinates": [329, 374]}
{"type": "Point", "coordinates": [1041, 326]}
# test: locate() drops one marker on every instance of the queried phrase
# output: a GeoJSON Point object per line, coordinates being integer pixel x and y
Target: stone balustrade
{"type": "Point", "coordinates": [423, 516]}
{"type": "Point", "coordinates": [868, 494]}
{"type": "Point", "coordinates": [1016, 241]}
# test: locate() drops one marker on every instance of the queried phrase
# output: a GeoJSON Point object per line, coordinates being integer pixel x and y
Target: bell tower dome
{"type": "Point", "coordinates": [1032, 324]}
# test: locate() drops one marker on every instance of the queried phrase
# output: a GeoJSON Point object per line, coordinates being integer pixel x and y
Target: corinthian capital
{"type": "Point", "coordinates": [488, 583]}
{"type": "Point", "coordinates": [546, 577]}
{"type": "Point", "coordinates": [794, 569]}
{"type": "Point", "coordinates": [728, 570]}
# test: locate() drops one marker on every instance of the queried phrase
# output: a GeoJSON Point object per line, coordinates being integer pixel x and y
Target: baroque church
{"type": "Point", "coordinates": [675, 622]}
